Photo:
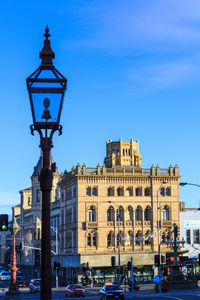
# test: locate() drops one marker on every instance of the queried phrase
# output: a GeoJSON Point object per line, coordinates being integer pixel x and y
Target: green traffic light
{"type": "Point", "coordinates": [3, 227]}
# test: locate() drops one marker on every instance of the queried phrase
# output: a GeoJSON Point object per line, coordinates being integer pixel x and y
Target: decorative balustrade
{"type": "Point", "coordinates": [126, 170]}
{"type": "Point", "coordinates": [92, 224]}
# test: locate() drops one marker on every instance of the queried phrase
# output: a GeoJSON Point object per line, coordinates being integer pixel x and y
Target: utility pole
{"type": "Point", "coordinates": [119, 275]}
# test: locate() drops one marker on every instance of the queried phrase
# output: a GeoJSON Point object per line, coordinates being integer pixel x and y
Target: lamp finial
{"type": "Point", "coordinates": [47, 53]}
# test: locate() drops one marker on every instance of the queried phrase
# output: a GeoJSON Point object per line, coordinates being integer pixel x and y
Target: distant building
{"type": "Point", "coordinates": [90, 198]}
{"type": "Point", "coordinates": [28, 216]}
{"type": "Point", "coordinates": [190, 231]}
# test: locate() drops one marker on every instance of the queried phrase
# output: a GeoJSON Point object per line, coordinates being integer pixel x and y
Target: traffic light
{"type": "Point", "coordinates": [113, 262]}
{"type": "Point", "coordinates": [129, 265]}
{"type": "Point", "coordinates": [3, 222]}
{"type": "Point", "coordinates": [163, 259]}
{"type": "Point", "coordinates": [157, 260]}
{"type": "Point", "coordinates": [56, 265]}
{"type": "Point", "coordinates": [199, 259]}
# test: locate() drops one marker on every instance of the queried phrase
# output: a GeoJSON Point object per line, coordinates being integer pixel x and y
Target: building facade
{"type": "Point", "coordinates": [28, 216]}
{"type": "Point", "coordinates": [90, 199]}
{"type": "Point", "coordinates": [190, 231]}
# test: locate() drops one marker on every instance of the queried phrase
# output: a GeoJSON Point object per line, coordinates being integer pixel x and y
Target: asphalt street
{"type": "Point", "coordinates": [145, 292]}
{"type": "Point", "coordinates": [92, 294]}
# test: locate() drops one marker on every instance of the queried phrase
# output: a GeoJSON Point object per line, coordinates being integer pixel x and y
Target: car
{"type": "Point", "coordinates": [5, 276]}
{"type": "Point", "coordinates": [34, 285]}
{"type": "Point", "coordinates": [2, 270]}
{"type": "Point", "coordinates": [20, 281]}
{"type": "Point", "coordinates": [111, 292]}
{"type": "Point", "coordinates": [197, 278]}
{"type": "Point", "coordinates": [74, 290]}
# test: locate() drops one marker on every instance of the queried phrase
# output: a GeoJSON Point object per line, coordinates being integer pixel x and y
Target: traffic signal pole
{"type": "Point", "coordinates": [132, 273]}
{"type": "Point", "coordinates": [175, 244]}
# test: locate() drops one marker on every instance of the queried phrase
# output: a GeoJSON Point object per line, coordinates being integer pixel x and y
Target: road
{"type": "Point", "coordinates": [145, 293]}
{"type": "Point", "coordinates": [92, 294]}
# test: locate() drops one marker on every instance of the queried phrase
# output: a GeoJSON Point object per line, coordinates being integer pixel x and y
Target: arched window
{"type": "Point", "coordinates": [111, 239]}
{"type": "Point", "coordinates": [147, 191]}
{"type": "Point", "coordinates": [138, 214]}
{"type": "Point", "coordinates": [89, 240]}
{"type": "Point", "coordinates": [131, 237]}
{"type": "Point", "coordinates": [130, 213]}
{"type": "Point", "coordinates": [166, 216]}
{"type": "Point", "coordinates": [138, 238]}
{"type": "Point", "coordinates": [148, 238]}
{"type": "Point", "coordinates": [121, 214]}
{"type": "Point", "coordinates": [162, 192]}
{"type": "Point", "coordinates": [147, 214]}
{"type": "Point", "coordinates": [92, 214]}
{"type": "Point", "coordinates": [168, 191]}
{"type": "Point", "coordinates": [138, 191]}
{"type": "Point", "coordinates": [94, 191]}
{"type": "Point", "coordinates": [111, 214]}
{"type": "Point", "coordinates": [120, 191]}
{"type": "Point", "coordinates": [129, 191]}
{"type": "Point", "coordinates": [94, 239]}
{"type": "Point", "coordinates": [88, 191]}
{"type": "Point", "coordinates": [111, 191]}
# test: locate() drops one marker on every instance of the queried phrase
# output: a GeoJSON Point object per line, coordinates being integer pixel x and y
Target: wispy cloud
{"type": "Point", "coordinates": [139, 24]}
{"type": "Point", "coordinates": [165, 75]}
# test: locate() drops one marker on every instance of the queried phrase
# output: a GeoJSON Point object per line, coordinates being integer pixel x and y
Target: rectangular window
{"type": "Point", "coordinates": [196, 236]}
{"type": "Point", "coordinates": [188, 240]}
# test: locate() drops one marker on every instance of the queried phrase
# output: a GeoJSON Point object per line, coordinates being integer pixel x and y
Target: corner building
{"type": "Point", "coordinates": [90, 198]}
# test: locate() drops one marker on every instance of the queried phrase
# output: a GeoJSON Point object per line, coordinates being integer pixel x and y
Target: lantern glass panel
{"type": "Point", "coordinates": [46, 106]}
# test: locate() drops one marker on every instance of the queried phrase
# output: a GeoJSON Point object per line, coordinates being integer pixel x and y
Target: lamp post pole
{"type": "Point", "coordinates": [46, 87]}
{"type": "Point", "coordinates": [13, 284]}
{"type": "Point", "coordinates": [118, 244]}
{"type": "Point", "coordinates": [119, 275]}
{"type": "Point", "coordinates": [158, 227]}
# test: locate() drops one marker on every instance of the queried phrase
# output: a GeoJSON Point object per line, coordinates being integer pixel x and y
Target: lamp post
{"type": "Point", "coordinates": [13, 284]}
{"type": "Point", "coordinates": [118, 219]}
{"type": "Point", "coordinates": [158, 227]}
{"type": "Point", "coordinates": [46, 87]}
{"type": "Point", "coordinates": [187, 183]}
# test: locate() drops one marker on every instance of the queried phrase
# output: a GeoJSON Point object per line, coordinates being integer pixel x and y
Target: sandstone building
{"type": "Point", "coordinates": [89, 200]}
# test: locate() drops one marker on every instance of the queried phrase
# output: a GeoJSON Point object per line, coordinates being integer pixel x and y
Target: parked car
{"type": "Point", "coordinates": [34, 285]}
{"type": "Point", "coordinates": [20, 281]}
{"type": "Point", "coordinates": [5, 276]}
{"type": "Point", "coordinates": [74, 290]}
{"type": "Point", "coordinates": [111, 292]}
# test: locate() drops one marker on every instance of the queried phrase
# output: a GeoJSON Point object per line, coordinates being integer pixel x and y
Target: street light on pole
{"type": "Point", "coordinates": [158, 227]}
{"type": "Point", "coordinates": [118, 219]}
{"type": "Point", "coordinates": [13, 284]}
{"type": "Point", "coordinates": [187, 183]}
{"type": "Point", "coordinates": [46, 87]}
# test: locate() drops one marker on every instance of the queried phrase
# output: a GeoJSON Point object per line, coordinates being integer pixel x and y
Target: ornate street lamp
{"type": "Point", "coordinates": [46, 88]}
{"type": "Point", "coordinates": [13, 284]}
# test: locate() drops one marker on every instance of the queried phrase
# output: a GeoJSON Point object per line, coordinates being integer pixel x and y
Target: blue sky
{"type": "Point", "coordinates": [133, 70]}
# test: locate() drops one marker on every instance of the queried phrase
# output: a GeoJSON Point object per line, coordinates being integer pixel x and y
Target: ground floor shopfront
{"type": "Point", "coordinates": [84, 268]}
